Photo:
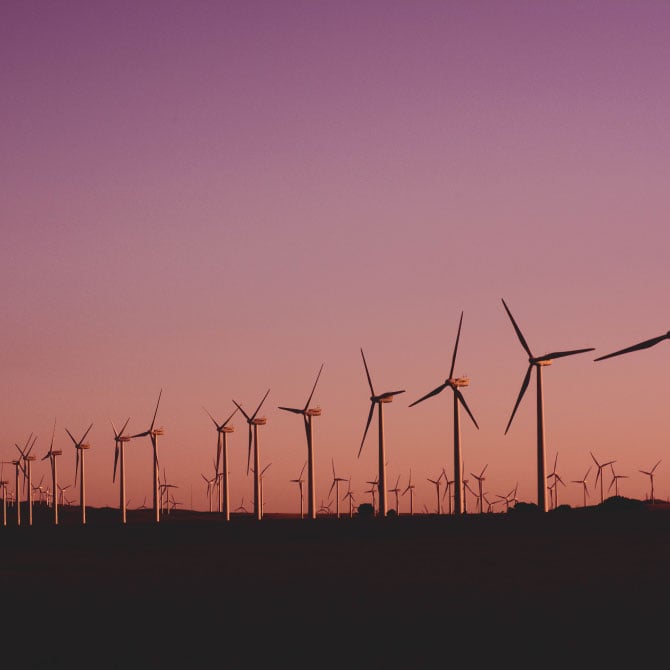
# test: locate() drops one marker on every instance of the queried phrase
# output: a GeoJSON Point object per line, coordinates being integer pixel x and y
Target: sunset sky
{"type": "Point", "coordinates": [215, 198]}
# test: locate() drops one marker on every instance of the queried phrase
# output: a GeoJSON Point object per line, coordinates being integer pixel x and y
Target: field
{"type": "Point", "coordinates": [333, 592]}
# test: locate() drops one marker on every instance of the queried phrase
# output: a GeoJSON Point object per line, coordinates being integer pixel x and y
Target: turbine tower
{"type": "Point", "coordinates": [537, 362]}
{"type": "Point", "coordinates": [153, 434]}
{"type": "Point", "coordinates": [378, 400]}
{"type": "Point", "coordinates": [80, 446]}
{"type": "Point", "coordinates": [253, 422]}
{"type": "Point", "coordinates": [222, 431]}
{"type": "Point", "coordinates": [455, 383]}
{"type": "Point", "coordinates": [120, 459]}
{"type": "Point", "coordinates": [307, 413]}
{"type": "Point", "coordinates": [650, 474]}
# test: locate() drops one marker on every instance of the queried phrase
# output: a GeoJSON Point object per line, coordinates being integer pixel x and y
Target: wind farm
{"type": "Point", "coordinates": [205, 201]}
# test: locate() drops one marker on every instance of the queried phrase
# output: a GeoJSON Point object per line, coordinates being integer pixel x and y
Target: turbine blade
{"type": "Point", "coordinates": [53, 435]}
{"type": "Point", "coordinates": [253, 416]}
{"type": "Point", "coordinates": [367, 373]}
{"type": "Point", "coordinates": [435, 391]}
{"type": "Point", "coordinates": [292, 409]}
{"type": "Point", "coordinates": [636, 347]}
{"type": "Point", "coordinates": [453, 358]}
{"type": "Point", "coordinates": [560, 354]}
{"type": "Point", "coordinates": [211, 417]}
{"type": "Point", "coordinates": [144, 434]}
{"type": "Point", "coordinates": [246, 416]}
{"type": "Point", "coordinates": [225, 423]}
{"type": "Point", "coordinates": [461, 399]}
{"type": "Point", "coordinates": [367, 425]}
{"type": "Point", "coordinates": [313, 387]}
{"type": "Point", "coordinates": [124, 426]}
{"type": "Point", "coordinates": [156, 410]}
{"type": "Point", "coordinates": [71, 437]}
{"type": "Point", "coordinates": [76, 463]}
{"type": "Point", "coordinates": [83, 437]}
{"type": "Point", "coordinates": [519, 334]}
{"type": "Point", "coordinates": [524, 386]}
{"type": "Point", "coordinates": [390, 394]}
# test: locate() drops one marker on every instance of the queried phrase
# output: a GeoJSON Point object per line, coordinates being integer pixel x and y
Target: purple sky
{"type": "Point", "coordinates": [214, 198]}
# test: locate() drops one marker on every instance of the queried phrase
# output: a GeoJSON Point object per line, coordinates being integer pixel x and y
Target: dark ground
{"type": "Point", "coordinates": [572, 586]}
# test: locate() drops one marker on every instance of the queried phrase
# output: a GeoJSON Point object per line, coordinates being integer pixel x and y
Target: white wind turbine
{"type": "Point", "coordinates": [307, 414]}
{"type": "Point", "coordinates": [599, 476]}
{"type": "Point", "coordinates": [80, 446]}
{"type": "Point", "coordinates": [379, 401]}
{"type": "Point", "coordinates": [51, 455]}
{"type": "Point", "coordinates": [455, 384]}
{"type": "Point", "coordinates": [650, 474]}
{"type": "Point", "coordinates": [300, 481]}
{"type": "Point", "coordinates": [585, 488]}
{"type": "Point", "coordinates": [253, 422]}
{"type": "Point", "coordinates": [537, 362]}
{"type": "Point", "coordinates": [153, 434]}
{"type": "Point", "coordinates": [120, 440]}
{"type": "Point", "coordinates": [222, 431]}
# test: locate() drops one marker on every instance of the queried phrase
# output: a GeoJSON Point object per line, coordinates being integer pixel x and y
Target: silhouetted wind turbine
{"type": "Point", "coordinates": [410, 489]}
{"type": "Point", "coordinates": [222, 431]}
{"type": "Point", "coordinates": [557, 480]}
{"type": "Point", "coordinates": [600, 467]}
{"type": "Point", "coordinates": [300, 481]}
{"type": "Point", "coordinates": [51, 455]}
{"type": "Point", "coordinates": [396, 490]}
{"type": "Point", "coordinates": [585, 488]}
{"type": "Point", "coordinates": [379, 401]}
{"type": "Point", "coordinates": [650, 474]}
{"type": "Point", "coordinates": [350, 495]}
{"type": "Point", "coordinates": [537, 362]}
{"type": "Point", "coordinates": [119, 459]}
{"type": "Point", "coordinates": [307, 413]}
{"type": "Point", "coordinates": [336, 485]}
{"type": "Point", "coordinates": [447, 490]}
{"type": "Point", "coordinates": [18, 467]}
{"type": "Point", "coordinates": [80, 446]}
{"type": "Point", "coordinates": [253, 422]}
{"type": "Point", "coordinates": [480, 481]}
{"type": "Point", "coordinates": [153, 434]}
{"type": "Point", "coordinates": [437, 482]}
{"type": "Point", "coordinates": [615, 481]}
{"type": "Point", "coordinates": [455, 383]}
{"type": "Point", "coordinates": [27, 469]}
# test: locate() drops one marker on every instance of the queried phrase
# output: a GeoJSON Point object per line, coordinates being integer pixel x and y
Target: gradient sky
{"type": "Point", "coordinates": [215, 198]}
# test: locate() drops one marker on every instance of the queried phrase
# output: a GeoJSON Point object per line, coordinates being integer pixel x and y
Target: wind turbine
{"type": "Point", "coordinates": [27, 460]}
{"type": "Point", "coordinates": [395, 490]}
{"type": "Point", "coordinates": [307, 413]}
{"type": "Point", "coordinates": [3, 486]}
{"type": "Point", "coordinates": [379, 401]}
{"type": "Point", "coordinates": [19, 468]}
{"type": "Point", "coordinates": [447, 490]}
{"type": "Point", "coordinates": [410, 489]}
{"type": "Point", "coordinates": [80, 446]}
{"type": "Point", "coordinates": [253, 422]}
{"type": "Point", "coordinates": [650, 474]}
{"type": "Point", "coordinates": [153, 434]}
{"type": "Point", "coordinates": [585, 488]}
{"type": "Point", "coordinates": [480, 481]}
{"type": "Point", "coordinates": [350, 495]}
{"type": "Point", "coordinates": [615, 481]}
{"type": "Point", "coordinates": [336, 485]}
{"type": "Point", "coordinates": [51, 455]}
{"type": "Point", "coordinates": [222, 431]}
{"type": "Point", "coordinates": [455, 384]}
{"type": "Point", "coordinates": [374, 486]}
{"type": "Point", "coordinates": [437, 489]}
{"type": "Point", "coordinates": [300, 481]}
{"type": "Point", "coordinates": [537, 362]}
{"type": "Point", "coordinates": [210, 489]}
{"type": "Point", "coordinates": [600, 467]}
{"type": "Point", "coordinates": [119, 458]}
{"type": "Point", "coordinates": [557, 481]}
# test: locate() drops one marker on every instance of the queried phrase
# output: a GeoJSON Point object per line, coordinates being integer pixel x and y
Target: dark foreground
{"type": "Point", "coordinates": [569, 586]}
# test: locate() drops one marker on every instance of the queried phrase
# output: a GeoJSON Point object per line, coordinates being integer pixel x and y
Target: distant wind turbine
{"type": "Point", "coordinates": [556, 481]}
{"type": "Point", "coordinates": [379, 401]}
{"type": "Point", "coordinates": [480, 481]}
{"type": "Point", "coordinates": [222, 431]}
{"type": "Point", "coordinates": [300, 481]}
{"type": "Point", "coordinates": [120, 440]}
{"type": "Point", "coordinates": [650, 474]}
{"type": "Point", "coordinates": [437, 483]}
{"type": "Point", "coordinates": [537, 362]}
{"type": "Point", "coordinates": [253, 422]}
{"type": "Point", "coordinates": [410, 489]}
{"type": "Point", "coordinates": [27, 459]}
{"type": "Point", "coordinates": [585, 488]}
{"type": "Point", "coordinates": [336, 485]}
{"type": "Point", "coordinates": [615, 481]}
{"type": "Point", "coordinates": [599, 475]}
{"type": "Point", "coordinates": [51, 455]}
{"type": "Point", "coordinates": [152, 432]}
{"type": "Point", "coordinates": [307, 414]}
{"type": "Point", "coordinates": [396, 490]}
{"type": "Point", "coordinates": [455, 384]}
{"type": "Point", "coordinates": [81, 446]}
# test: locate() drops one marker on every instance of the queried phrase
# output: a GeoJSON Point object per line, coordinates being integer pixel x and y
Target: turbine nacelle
{"type": "Point", "coordinates": [258, 421]}
{"type": "Point", "coordinates": [56, 452]}
{"type": "Point", "coordinates": [227, 429]}
{"type": "Point", "coordinates": [458, 382]}
{"type": "Point", "coordinates": [541, 362]}
{"type": "Point", "coordinates": [315, 411]}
